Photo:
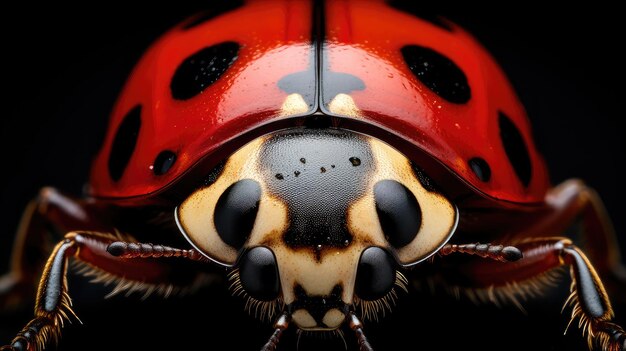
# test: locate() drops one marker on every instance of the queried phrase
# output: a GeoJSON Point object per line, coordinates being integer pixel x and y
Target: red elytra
{"type": "Point", "coordinates": [363, 39]}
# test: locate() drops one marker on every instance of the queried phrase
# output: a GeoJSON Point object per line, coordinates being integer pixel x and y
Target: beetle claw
{"type": "Point", "coordinates": [616, 339]}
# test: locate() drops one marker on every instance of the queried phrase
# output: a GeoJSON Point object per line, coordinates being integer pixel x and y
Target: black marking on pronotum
{"type": "Point", "coordinates": [317, 202]}
{"type": "Point", "coordinates": [258, 272]}
{"type": "Point", "coordinates": [202, 69]}
{"type": "Point", "coordinates": [218, 8]}
{"type": "Point", "coordinates": [421, 11]}
{"type": "Point", "coordinates": [236, 210]}
{"type": "Point", "coordinates": [124, 143]}
{"type": "Point", "coordinates": [376, 274]}
{"type": "Point", "coordinates": [163, 162]}
{"type": "Point", "coordinates": [515, 148]}
{"type": "Point", "coordinates": [438, 73]}
{"type": "Point", "coordinates": [398, 211]}
{"type": "Point", "coordinates": [215, 172]}
{"type": "Point", "coordinates": [317, 305]}
{"type": "Point", "coordinates": [318, 84]}
{"type": "Point", "coordinates": [424, 179]}
{"type": "Point", "coordinates": [481, 168]}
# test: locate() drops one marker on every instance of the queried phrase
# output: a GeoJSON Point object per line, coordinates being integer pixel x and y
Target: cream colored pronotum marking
{"type": "Point", "coordinates": [294, 104]}
{"type": "Point", "coordinates": [195, 214]}
{"type": "Point", "coordinates": [344, 105]}
{"type": "Point", "coordinates": [439, 216]}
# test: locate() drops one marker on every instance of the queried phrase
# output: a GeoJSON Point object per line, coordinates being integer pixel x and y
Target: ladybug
{"type": "Point", "coordinates": [324, 156]}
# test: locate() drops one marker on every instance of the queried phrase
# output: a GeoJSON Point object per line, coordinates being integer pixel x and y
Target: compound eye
{"type": "Point", "coordinates": [236, 212]}
{"type": "Point", "coordinates": [376, 274]}
{"type": "Point", "coordinates": [258, 272]}
{"type": "Point", "coordinates": [398, 211]}
{"type": "Point", "coordinates": [218, 222]}
{"type": "Point", "coordinates": [414, 220]}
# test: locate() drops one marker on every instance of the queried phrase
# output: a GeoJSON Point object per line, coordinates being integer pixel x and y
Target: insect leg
{"type": "Point", "coordinates": [50, 212]}
{"type": "Point", "coordinates": [53, 305]}
{"type": "Point", "coordinates": [591, 305]}
{"type": "Point", "coordinates": [573, 199]}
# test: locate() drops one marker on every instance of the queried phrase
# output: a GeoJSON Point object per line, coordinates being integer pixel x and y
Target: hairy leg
{"type": "Point", "coordinates": [573, 200]}
{"type": "Point", "coordinates": [50, 212]}
{"type": "Point", "coordinates": [53, 304]}
{"type": "Point", "coordinates": [590, 303]}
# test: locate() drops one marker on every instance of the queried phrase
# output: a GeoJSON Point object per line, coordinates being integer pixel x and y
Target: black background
{"type": "Point", "coordinates": [63, 66]}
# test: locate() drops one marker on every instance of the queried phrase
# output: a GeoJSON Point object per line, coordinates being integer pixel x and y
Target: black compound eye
{"type": "Point", "coordinates": [258, 272]}
{"type": "Point", "coordinates": [376, 274]}
{"type": "Point", "coordinates": [202, 69]}
{"type": "Point", "coordinates": [124, 143]}
{"type": "Point", "coordinates": [515, 148]}
{"type": "Point", "coordinates": [235, 212]}
{"type": "Point", "coordinates": [438, 73]}
{"type": "Point", "coordinates": [398, 211]}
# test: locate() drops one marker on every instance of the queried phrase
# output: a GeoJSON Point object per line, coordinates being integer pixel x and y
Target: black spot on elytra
{"type": "Point", "coordinates": [438, 73]}
{"type": "Point", "coordinates": [124, 143]}
{"type": "Point", "coordinates": [398, 211]}
{"type": "Point", "coordinates": [202, 69]}
{"type": "Point", "coordinates": [302, 83]}
{"type": "Point", "coordinates": [420, 11]}
{"type": "Point", "coordinates": [163, 162]}
{"type": "Point", "coordinates": [330, 83]}
{"type": "Point", "coordinates": [515, 148]}
{"type": "Point", "coordinates": [335, 83]}
{"type": "Point", "coordinates": [235, 212]}
{"type": "Point", "coordinates": [218, 8]}
{"type": "Point", "coordinates": [481, 168]}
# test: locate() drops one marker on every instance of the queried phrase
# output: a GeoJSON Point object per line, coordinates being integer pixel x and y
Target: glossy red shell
{"type": "Point", "coordinates": [363, 38]}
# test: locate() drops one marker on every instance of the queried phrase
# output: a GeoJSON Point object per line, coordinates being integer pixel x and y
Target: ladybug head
{"type": "Point", "coordinates": [316, 223]}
